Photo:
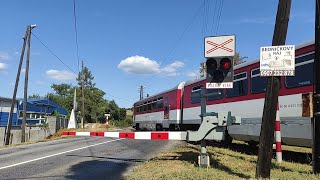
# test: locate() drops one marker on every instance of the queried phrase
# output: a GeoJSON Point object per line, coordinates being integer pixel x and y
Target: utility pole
{"type": "Point", "coordinates": [141, 92]}
{"type": "Point", "coordinates": [23, 124]}
{"type": "Point", "coordinates": [316, 97]}
{"type": "Point", "coordinates": [82, 80]}
{"type": "Point", "coordinates": [13, 103]}
{"type": "Point", "coordinates": [271, 99]}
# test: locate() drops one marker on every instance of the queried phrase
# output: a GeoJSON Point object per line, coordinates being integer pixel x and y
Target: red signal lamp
{"type": "Point", "coordinates": [226, 63]}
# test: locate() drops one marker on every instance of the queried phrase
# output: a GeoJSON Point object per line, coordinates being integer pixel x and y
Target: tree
{"type": "Point", "coordinates": [88, 78]}
{"type": "Point", "coordinates": [202, 69]}
{"type": "Point", "coordinates": [114, 110]}
{"type": "Point", "coordinates": [63, 95]}
{"type": "Point", "coordinates": [35, 96]}
{"type": "Point", "coordinates": [122, 113]}
{"type": "Point", "coordinates": [238, 59]}
{"type": "Point", "coordinates": [94, 102]}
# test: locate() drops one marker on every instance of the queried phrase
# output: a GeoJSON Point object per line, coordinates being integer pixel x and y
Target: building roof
{"type": "Point", "coordinates": [42, 105]}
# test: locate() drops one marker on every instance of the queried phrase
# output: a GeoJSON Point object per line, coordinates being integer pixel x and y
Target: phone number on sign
{"type": "Point", "coordinates": [277, 73]}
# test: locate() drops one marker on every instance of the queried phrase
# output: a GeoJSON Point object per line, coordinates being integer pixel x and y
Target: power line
{"type": "Point", "coordinates": [184, 31]}
{"type": "Point", "coordinates": [128, 99]}
{"type": "Point", "coordinates": [53, 53]}
{"type": "Point", "coordinates": [218, 23]}
{"type": "Point", "coordinates": [182, 34]}
{"type": "Point", "coordinates": [76, 32]}
{"type": "Point", "coordinates": [214, 16]}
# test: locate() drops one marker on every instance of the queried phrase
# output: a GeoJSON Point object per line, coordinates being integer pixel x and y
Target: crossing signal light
{"type": "Point", "coordinates": [107, 111]}
{"type": "Point", "coordinates": [219, 70]}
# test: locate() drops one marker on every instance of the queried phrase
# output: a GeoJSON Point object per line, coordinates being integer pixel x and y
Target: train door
{"type": "Point", "coordinates": [166, 109]}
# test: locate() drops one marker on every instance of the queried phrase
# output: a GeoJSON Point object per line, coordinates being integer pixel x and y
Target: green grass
{"type": "Point", "coordinates": [236, 162]}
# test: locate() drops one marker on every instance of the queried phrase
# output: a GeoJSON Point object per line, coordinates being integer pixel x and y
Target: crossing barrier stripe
{"type": "Point", "coordinates": [133, 135]}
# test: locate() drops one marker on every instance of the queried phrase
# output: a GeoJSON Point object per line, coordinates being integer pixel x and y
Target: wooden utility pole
{"type": "Point", "coordinates": [316, 100]}
{"type": "Point", "coordinates": [270, 103]}
{"type": "Point", "coordinates": [82, 84]}
{"type": "Point", "coordinates": [13, 103]}
{"type": "Point", "coordinates": [23, 124]}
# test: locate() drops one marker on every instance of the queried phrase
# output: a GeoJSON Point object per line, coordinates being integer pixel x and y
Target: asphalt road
{"type": "Point", "coordinates": [77, 158]}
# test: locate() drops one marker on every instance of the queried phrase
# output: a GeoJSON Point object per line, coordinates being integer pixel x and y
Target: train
{"type": "Point", "coordinates": [178, 108]}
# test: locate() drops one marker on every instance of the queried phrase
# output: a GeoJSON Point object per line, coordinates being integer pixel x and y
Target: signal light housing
{"type": "Point", "coordinates": [220, 71]}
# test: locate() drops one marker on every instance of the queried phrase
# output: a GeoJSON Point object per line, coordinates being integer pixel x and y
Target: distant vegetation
{"type": "Point", "coordinates": [95, 105]}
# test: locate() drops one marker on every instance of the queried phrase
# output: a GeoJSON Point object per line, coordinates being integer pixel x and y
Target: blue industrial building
{"type": "Point", "coordinates": [37, 109]}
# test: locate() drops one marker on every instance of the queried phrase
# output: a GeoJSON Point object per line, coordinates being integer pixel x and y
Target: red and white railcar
{"type": "Point", "coordinates": [246, 100]}
{"type": "Point", "coordinates": [160, 111]}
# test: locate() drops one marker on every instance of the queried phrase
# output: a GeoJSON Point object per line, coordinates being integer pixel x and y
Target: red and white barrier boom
{"type": "Point", "coordinates": [213, 127]}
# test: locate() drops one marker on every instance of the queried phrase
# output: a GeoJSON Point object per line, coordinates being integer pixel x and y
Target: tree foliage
{"type": "Point", "coordinates": [238, 59]}
{"type": "Point", "coordinates": [87, 77]}
{"type": "Point", "coordinates": [35, 96]}
{"type": "Point", "coordinates": [94, 102]}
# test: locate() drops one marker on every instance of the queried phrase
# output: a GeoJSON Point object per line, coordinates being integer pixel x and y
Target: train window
{"type": "Point", "coordinates": [258, 83]}
{"type": "Point", "coordinates": [218, 94]}
{"type": "Point", "coordinates": [154, 104]}
{"type": "Point", "coordinates": [303, 72]}
{"type": "Point", "coordinates": [137, 109]}
{"type": "Point", "coordinates": [140, 108]}
{"type": "Point", "coordinates": [160, 103]}
{"type": "Point", "coordinates": [195, 94]}
{"type": "Point", "coordinates": [240, 85]}
{"type": "Point", "coordinates": [149, 105]}
{"type": "Point", "coordinates": [145, 106]}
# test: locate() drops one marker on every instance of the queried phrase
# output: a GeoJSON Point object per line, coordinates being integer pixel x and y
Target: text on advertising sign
{"type": "Point", "coordinates": [277, 60]}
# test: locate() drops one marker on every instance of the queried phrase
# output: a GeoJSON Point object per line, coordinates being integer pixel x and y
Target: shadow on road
{"type": "Point", "coordinates": [111, 158]}
{"type": "Point", "coordinates": [98, 169]}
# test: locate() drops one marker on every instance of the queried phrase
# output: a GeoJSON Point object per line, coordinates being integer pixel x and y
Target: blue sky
{"type": "Point", "coordinates": [125, 44]}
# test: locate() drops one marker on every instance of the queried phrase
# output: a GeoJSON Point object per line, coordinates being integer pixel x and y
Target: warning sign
{"type": "Point", "coordinates": [219, 46]}
{"type": "Point", "coordinates": [277, 60]}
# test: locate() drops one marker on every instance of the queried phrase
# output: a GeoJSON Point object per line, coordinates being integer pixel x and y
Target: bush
{"type": "Point", "coordinates": [122, 123]}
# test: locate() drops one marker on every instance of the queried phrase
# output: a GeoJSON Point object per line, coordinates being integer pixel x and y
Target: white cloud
{"type": "Point", "coordinates": [3, 67]}
{"type": "Point", "coordinates": [143, 65]}
{"type": "Point", "coordinates": [4, 55]}
{"type": "Point", "coordinates": [192, 75]}
{"type": "Point", "coordinates": [171, 69]}
{"type": "Point", "coordinates": [60, 75]}
{"type": "Point", "coordinates": [139, 65]}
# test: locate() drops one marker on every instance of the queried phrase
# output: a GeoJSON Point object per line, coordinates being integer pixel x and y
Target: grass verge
{"type": "Point", "coordinates": [238, 161]}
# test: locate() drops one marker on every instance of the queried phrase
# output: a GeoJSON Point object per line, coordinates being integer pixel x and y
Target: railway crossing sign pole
{"type": "Point", "coordinates": [203, 159]}
{"type": "Point", "coordinates": [219, 51]}
{"type": "Point", "coordinates": [266, 138]}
